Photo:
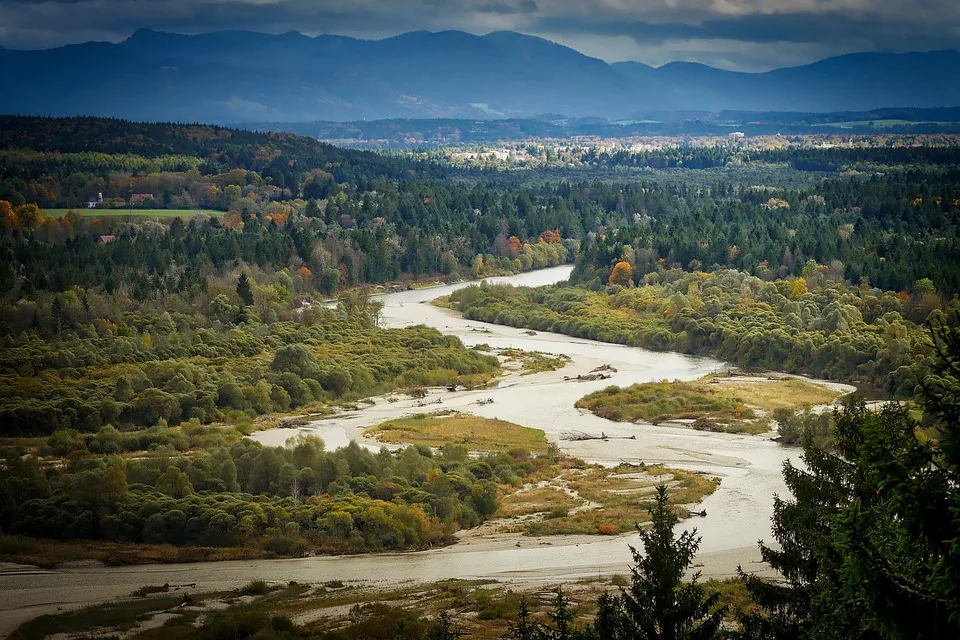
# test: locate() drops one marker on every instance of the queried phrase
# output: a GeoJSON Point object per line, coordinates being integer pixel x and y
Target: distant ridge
{"type": "Point", "coordinates": [243, 76]}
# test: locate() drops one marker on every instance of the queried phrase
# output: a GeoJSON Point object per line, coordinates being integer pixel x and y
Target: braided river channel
{"type": "Point", "coordinates": [738, 513]}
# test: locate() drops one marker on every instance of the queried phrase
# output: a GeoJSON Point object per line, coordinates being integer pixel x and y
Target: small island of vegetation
{"type": "Point", "coordinates": [473, 432]}
{"type": "Point", "coordinates": [734, 404]}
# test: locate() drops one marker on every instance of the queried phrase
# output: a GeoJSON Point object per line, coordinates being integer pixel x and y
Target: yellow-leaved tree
{"type": "Point", "coordinates": [798, 288]}
{"type": "Point", "coordinates": [622, 274]}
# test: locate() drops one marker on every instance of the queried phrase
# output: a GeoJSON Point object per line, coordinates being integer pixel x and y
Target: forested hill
{"type": "Point", "coordinates": [278, 155]}
{"type": "Point", "coordinates": [288, 203]}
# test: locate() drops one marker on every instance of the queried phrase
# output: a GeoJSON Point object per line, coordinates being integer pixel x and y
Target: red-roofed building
{"type": "Point", "coordinates": [140, 198]}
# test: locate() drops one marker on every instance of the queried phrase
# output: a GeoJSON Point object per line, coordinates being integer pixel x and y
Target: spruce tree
{"type": "Point", "coordinates": [805, 559]}
{"type": "Point", "coordinates": [899, 536]}
{"type": "Point", "coordinates": [870, 542]}
{"type": "Point", "coordinates": [607, 616]}
{"type": "Point", "coordinates": [561, 619]}
{"type": "Point", "coordinates": [443, 628]}
{"type": "Point", "coordinates": [524, 628]}
{"type": "Point", "coordinates": [56, 314]}
{"type": "Point", "coordinates": [244, 290]}
{"type": "Point", "coordinates": [940, 394]}
{"type": "Point", "coordinates": [658, 605]}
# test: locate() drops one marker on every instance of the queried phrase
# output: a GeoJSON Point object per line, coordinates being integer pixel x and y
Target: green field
{"type": "Point", "coordinates": [133, 213]}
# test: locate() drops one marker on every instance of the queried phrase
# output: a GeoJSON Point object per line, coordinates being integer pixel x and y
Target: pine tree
{"type": "Point", "coordinates": [561, 619]}
{"type": "Point", "coordinates": [658, 605]}
{"type": "Point", "coordinates": [244, 290]}
{"type": "Point", "coordinates": [443, 628]}
{"type": "Point", "coordinates": [56, 314]}
{"type": "Point", "coordinates": [871, 539]}
{"type": "Point", "coordinates": [524, 628]}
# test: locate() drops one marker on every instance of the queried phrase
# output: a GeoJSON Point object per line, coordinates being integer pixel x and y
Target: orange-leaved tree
{"type": "Point", "coordinates": [622, 274]}
{"type": "Point", "coordinates": [9, 222]}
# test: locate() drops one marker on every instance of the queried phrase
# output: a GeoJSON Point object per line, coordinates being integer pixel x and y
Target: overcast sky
{"type": "Point", "coordinates": [751, 35]}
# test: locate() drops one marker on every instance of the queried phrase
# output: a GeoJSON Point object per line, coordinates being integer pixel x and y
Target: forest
{"type": "Point", "coordinates": [209, 487]}
{"type": "Point", "coordinates": [136, 354]}
{"type": "Point", "coordinates": [812, 324]}
{"type": "Point", "coordinates": [886, 216]}
{"type": "Point", "coordinates": [132, 367]}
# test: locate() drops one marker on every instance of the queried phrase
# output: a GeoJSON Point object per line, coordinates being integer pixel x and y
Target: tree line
{"type": "Point", "coordinates": [85, 360]}
{"type": "Point", "coordinates": [814, 324]}
{"type": "Point", "coordinates": [231, 491]}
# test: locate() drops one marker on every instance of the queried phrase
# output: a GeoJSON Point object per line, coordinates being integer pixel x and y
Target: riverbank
{"type": "Point", "coordinates": [484, 608]}
{"type": "Point", "coordinates": [738, 513]}
{"type": "Point", "coordinates": [535, 564]}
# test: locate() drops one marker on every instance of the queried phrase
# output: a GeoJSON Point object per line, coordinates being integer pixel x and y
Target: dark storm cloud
{"type": "Point", "coordinates": [743, 33]}
{"type": "Point", "coordinates": [44, 23]}
{"type": "Point", "coordinates": [767, 28]}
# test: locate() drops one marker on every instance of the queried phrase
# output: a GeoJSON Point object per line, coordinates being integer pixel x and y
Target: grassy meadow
{"type": "Point", "coordinates": [597, 500]}
{"type": "Point", "coordinates": [473, 432]}
{"type": "Point", "coordinates": [133, 213]}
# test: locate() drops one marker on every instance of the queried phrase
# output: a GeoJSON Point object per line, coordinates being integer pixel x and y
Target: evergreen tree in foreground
{"type": "Point", "coordinates": [870, 542]}
{"type": "Point", "coordinates": [525, 628]}
{"type": "Point", "coordinates": [658, 605]}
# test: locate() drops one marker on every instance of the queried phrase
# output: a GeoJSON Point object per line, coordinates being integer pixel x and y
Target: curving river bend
{"type": "Point", "coordinates": [738, 512]}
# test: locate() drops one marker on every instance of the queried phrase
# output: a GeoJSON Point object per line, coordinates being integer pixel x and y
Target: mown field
{"type": "Point", "coordinates": [133, 213]}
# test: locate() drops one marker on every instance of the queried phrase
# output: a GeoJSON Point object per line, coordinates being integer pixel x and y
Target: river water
{"type": "Point", "coordinates": [738, 513]}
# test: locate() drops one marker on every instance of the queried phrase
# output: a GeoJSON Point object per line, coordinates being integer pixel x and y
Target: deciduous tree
{"type": "Point", "coordinates": [622, 274]}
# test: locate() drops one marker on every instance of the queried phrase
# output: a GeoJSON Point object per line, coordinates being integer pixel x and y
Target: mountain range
{"type": "Point", "coordinates": [241, 76]}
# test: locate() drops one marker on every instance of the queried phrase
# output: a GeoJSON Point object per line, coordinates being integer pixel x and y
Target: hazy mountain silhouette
{"type": "Point", "coordinates": [235, 76]}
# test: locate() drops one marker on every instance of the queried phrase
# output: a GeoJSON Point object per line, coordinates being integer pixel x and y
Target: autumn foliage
{"type": "Point", "coordinates": [25, 216]}
{"type": "Point", "coordinates": [622, 274]}
{"type": "Point", "coordinates": [515, 246]}
{"type": "Point", "coordinates": [551, 236]}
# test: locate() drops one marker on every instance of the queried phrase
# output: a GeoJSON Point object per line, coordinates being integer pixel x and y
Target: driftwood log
{"type": "Point", "coordinates": [580, 436]}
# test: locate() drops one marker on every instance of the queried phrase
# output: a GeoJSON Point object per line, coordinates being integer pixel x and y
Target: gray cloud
{"type": "Point", "coordinates": [748, 34]}
{"type": "Point", "coordinates": [828, 27]}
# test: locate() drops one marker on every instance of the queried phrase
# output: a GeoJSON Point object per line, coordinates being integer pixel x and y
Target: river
{"type": "Point", "coordinates": [738, 513]}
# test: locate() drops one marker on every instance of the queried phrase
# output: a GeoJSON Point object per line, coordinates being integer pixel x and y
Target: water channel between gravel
{"type": "Point", "coordinates": [738, 513]}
